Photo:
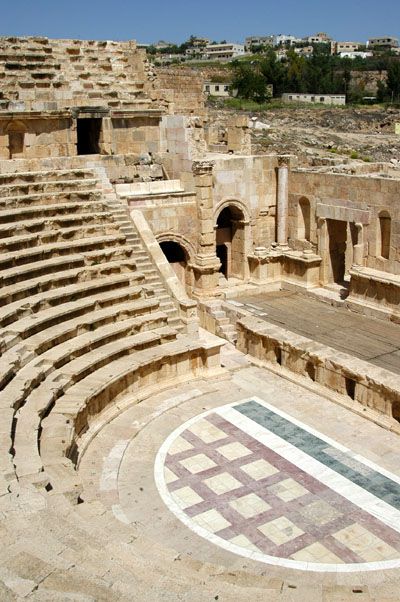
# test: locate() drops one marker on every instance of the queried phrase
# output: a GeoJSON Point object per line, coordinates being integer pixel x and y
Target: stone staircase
{"type": "Point", "coordinates": [84, 317]}
{"type": "Point", "coordinates": [43, 74]}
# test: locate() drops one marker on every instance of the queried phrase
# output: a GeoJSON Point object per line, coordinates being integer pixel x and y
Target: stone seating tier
{"type": "Point", "coordinates": [68, 73]}
{"type": "Point", "coordinates": [84, 319]}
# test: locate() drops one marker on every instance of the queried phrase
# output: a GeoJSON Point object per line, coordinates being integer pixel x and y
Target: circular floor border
{"type": "Point", "coordinates": [233, 548]}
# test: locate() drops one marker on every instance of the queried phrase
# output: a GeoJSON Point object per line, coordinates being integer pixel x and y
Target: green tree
{"type": "Point", "coordinates": [393, 80]}
{"type": "Point", "coordinates": [249, 82]}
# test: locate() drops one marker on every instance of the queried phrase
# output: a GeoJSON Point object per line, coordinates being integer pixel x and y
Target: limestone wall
{"type": "Point", "coordinates": [36, 138]}
{"type": "Point", "coordinates": [251, 183]}
{"type": "Point", "coordinates": [366, 389]}
{"type": "Point", "coordinates": [355, 199]}
{"type": "Point", "coordinates": [185, 88]}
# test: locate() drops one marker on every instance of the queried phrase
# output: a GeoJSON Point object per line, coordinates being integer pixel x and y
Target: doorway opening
{"type": "Point", "coordinates": [222, 254]}
{"type": "Point", "coordinates": [16, 143]}
{"type": "Point", "coordinates": [177, 257]}
{"type": "Point", "coordinates": [230, 242]}
{"type": "Point", "coordinates": [88, 136]}
{"type": "Point", "coordinates": [337, 231]}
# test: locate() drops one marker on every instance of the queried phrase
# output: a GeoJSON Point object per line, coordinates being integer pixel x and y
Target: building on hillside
{"type": "Point", "coordinates": [284, 40]}
{"type": "Point", "coordinates": [357, 54]}
{"type": "Point", "coordinates": [221, 89]}
{"type": "Point", "coordinates": [383, 42]}
{"type": "Point", "coordinates": [338, 47]}
{"type": "Point", "coordinates": [161, 44]}
{"type": "Point", "coordinates": [199, 42]}
{"type": "Point", "coordinates": [252, 41]}
{"type": "Point", "coordinates": [318, 38]}
{"type": "Point", "coordinates": [224, 52]}
{"type": "Point", "coordinates": [326, 99]}
{"type": "Point", "coordinates": [304, 50]}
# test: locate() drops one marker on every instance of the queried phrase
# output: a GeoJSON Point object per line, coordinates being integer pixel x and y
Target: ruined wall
{"type": "Point", "coordinates": [355, 199]}
{"type": "Point", "coordinates": [184, 88]}
{"type": "Point", "coordinates": [252, 183]}
{"type": "Point", "coordinates": [36, 138]}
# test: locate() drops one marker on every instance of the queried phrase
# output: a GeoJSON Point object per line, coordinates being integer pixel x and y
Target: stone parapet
{"type": "Point", "coordinates": [369, 390]}
{"type": "Point", "coordinates": [373, 292]}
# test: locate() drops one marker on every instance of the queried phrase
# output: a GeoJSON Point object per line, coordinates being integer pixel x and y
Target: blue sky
{"type": "Point", "coordinates": [175, 20]}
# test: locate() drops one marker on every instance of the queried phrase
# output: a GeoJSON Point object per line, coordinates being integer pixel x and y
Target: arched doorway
{"type": "Point", "coordinates": [230, 242]}
{"type": "Point", "coordinates": [177, 256]}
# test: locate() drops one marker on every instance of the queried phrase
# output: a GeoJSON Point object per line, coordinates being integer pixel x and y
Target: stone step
{"type": "Point", "coordinates": [28, 241]}
{"type": "Point", "coordinates": [72, 413]}
{"type": "Point", "coordinates": [45, 175]}
{"type": "Point", "coordinates": [28, 188]}
{"type": "Point", "coordinates": [83, 273]}
{"type": "Point", "coordinates": [39, 205]}
{"type": "Point", "coordinates": [32, 305]}
{"type": "Point", "coordinates": [31, 65]}
{"type": "Point", "coordinates": [27, 459]}
{"type": "Point", "coordinates": [45, 224]}
{"type": "Point", "coordinates": [85, 341]}
{"type": "Point", "coordinates": [44, 252]}
{"type": "Point", "coordinates": [29, 325]}
{"type": "Point", "coordinates": [50, 266]}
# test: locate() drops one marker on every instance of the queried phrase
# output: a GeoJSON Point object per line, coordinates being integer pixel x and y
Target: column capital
{"type": "Point", "coordinates": [202, 168]}
{"type": "Point", "coordinates": [283, 161]}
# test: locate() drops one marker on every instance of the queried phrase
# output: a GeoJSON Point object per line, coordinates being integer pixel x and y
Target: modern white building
{"type": "Point", "coordinates": [224, 52]}
{"type": "Point", "coordinates": [326, 99]}
{"type": "Point", "coordinates": [217, 88]}
{"type": "Point", "coordinates": [283, 39]}
{"type": "Point", "coordinates": [357, 54]}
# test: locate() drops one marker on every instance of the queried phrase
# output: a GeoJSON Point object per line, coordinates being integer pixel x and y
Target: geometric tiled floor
{"type": "Point", "coordinates": [253, 480]}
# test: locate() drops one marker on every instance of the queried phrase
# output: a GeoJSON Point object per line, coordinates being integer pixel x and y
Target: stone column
{"type": "Point", "coordinates": [358, 252]}
{"type": "Point", "coordinates": [206, 265]}
{"type": "Point", "coordinates": [323, 243]}
{"type": "Point", "coordinates": [282, 206]}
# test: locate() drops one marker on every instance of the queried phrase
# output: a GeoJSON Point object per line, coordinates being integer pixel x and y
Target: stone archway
{"type": "Point", "coordinates": [231, 241]}
{"type": "Point", "coordinates": [179, 253]}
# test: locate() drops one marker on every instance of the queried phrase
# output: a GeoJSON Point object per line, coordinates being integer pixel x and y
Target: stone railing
{"type": "Point", "coordinates": [187, 308]}
{"type": "Point", "coordinates": [371, 391]}
{"type": "Point", "coordinates": [375, 293]}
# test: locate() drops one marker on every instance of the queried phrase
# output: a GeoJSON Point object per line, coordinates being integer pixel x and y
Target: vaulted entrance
{"type": "Point", "coordinates": [88, 135]}
{"type": "Point", "coordinates": [230, 242]}
{"type": "Point", "coordinates": [178, 258]}
{"type": "Point", "coordinates": [342, 240]}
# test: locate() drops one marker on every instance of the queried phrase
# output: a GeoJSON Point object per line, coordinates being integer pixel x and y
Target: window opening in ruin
{"type": "Point", "coordinates": [396, 411]}
{"type": "Point", "coordinates": [304, 227]}
{"type": "Point", "coordinates": [278, 355]}
{"type": "Point", "coordinates": [310, 370]}
{"type": "Point", "coordinates": [177, 257]}
{"type": "Point", "coordinates": [384, 232]}
{"type": "Point", "coordinates": [16, 143]}
{"type": "Point", "coordinates": [88, 133]}
{"type": "Point", "coordinates": [350, 387]}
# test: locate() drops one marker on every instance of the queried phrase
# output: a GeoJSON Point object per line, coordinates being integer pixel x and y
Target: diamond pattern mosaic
{"type": "Point", "coordinates": [260, 484]}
